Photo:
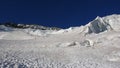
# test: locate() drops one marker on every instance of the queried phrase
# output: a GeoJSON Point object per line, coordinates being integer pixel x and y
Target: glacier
{"type": "Point", "coordinates": [94, 45]}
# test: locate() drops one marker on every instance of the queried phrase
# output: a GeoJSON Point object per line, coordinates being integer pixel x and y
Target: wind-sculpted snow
{"type": "Point", "coordinates": [95, 45]}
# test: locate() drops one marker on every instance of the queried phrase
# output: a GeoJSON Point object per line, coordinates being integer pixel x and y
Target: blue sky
{"type": "Point", "coordinates": [59, 13]}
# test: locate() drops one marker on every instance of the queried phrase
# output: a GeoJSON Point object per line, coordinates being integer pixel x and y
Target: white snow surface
{"type": "Point", "coordinates": [95, 45]}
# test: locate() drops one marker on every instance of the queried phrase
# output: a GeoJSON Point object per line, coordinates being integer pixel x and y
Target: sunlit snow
{"type": "Point", "coordinates": [95, 45]}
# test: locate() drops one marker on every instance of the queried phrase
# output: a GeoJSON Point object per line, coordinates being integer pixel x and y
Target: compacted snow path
{"type": "Point", "coordinates": [95, 45]}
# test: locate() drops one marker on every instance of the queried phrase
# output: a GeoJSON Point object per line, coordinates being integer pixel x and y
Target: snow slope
{"type": "Point", "coordinates": [95, 45]}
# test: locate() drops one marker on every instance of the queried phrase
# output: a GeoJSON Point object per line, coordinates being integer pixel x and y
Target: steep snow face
{"type": "Point", "coordinates": [113, 21]}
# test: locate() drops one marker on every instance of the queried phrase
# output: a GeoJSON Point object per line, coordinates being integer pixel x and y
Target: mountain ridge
{"type": "Point", "coordinates": [98, 25]}
{"type": "Point", "coordinates": [32, 26]}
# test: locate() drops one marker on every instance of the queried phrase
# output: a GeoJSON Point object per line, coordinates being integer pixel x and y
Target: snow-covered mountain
{"type": "Point", "coordinates": [94, 45]}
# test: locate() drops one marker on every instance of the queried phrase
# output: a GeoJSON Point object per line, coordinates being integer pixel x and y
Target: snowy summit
{"type": "Point", "coordinates": [95, 45]}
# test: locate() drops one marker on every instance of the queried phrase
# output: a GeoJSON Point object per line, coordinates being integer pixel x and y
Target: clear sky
{"type": "Point", "coordinates": [59, 13]}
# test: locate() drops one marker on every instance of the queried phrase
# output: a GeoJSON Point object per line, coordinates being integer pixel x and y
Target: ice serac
{"type": "Point", "coordinates": [101, 24]}
{"type": "Point", "coordinates": [98, 25]}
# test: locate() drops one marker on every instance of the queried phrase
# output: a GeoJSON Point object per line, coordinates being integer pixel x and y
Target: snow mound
{"type": "Point", "coordinates": [38, 32]}
{"type": "Point", "coordinates": [87, 43]}
{"type": "Point", "coordinates": [67, 44]}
